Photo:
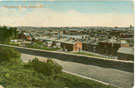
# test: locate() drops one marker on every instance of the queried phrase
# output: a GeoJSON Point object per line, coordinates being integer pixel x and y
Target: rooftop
{"type": "Point", "coordinates": [62, 40]}
{"type": "Point", "coordinates": [126, 50]}
{"type": "Point", "coordinates": [115, 41]}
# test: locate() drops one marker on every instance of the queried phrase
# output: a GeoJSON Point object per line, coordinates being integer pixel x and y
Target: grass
{"type": "Point", "coordinates": [15, 74]}
{"type": "Point", "coordinates": [35, 46]}
{"type": "Point", "coordinates": [19, 77]}
{"type": "Point", "coordinates": [14, 44]}
{"type": "Point", "coordinates": [87, 54]}
{"type": "Point", "coordinates": [43, 47]}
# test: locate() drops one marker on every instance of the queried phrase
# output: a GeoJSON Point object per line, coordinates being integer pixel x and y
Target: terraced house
{"type": "Point", "coordinates": [67, 44]}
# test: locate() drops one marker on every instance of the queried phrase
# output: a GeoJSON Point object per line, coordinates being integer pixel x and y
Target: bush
{"type": "Point", "coordinates": [49, 68]}
{"type": "Point", "coordinates": [7, 54]}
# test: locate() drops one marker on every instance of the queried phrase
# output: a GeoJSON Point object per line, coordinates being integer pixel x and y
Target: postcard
{"type": "Point", "coordinates": [66, 44]}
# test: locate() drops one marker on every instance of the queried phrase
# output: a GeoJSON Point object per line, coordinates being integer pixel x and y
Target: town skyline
{"type": "Point", "coordinates": [67, 43]}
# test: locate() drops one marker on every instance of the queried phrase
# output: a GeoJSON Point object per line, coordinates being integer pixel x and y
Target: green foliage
{"type": "Point", "coordinates": [8, 33]}
{"type": "Point", "coordinates": [19, 77]}
{"type": "Point", "coordinates": [49, 68]}
{"type": "Point", "coordinates": [28, 78]}
{"type": "Point", "coordinates": [72, 81]}
{"type": "Point", "coordinates": [39, 75]}
{"type": "Point", "coordinates": [7, 54]}
{"type": "Point", "coordinates": [40, 45]}
{"type": "Point", "coordinates": [13, 43]}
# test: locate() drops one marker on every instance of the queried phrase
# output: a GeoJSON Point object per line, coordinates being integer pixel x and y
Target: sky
{"type": "Point", "coordinates": [63, 13]}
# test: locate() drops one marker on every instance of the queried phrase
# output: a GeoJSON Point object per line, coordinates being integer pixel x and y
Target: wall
{"type": "Point", "coordinates": [120, 65]}
{"type": "Point", "coordinates": [125, 56]}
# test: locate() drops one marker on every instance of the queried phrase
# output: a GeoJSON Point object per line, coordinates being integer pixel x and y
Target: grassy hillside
{"type": "Point", "coordinates": [16, 74]}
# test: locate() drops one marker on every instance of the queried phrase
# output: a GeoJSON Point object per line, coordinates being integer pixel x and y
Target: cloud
{"type": "Point", "coordinates": [48, 18]}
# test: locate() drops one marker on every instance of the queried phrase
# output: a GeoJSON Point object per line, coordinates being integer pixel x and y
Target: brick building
{"type": "Point", "coordinates": [110, 47]}
{"type": "Point", "coordinates": [67, 44]}
{"type": "Point", "coordinates": [72, 45]}
{"type": "Point", "coordinates": [125, 53]}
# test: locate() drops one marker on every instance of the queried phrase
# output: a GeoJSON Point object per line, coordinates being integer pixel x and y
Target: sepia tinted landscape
{"type": "Point", "coordinates": [66, 44]}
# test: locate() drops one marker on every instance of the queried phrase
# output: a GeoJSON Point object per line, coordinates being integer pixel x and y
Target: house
{"type": "Point", "coordinates": [125, 53]}
{"type": "Point", "coordinates": [122, 34]}
{"type": "Point", "coordinates": [93, 47]}
{"type": "Point", "coordinates": [67, 44]}
{"type": "Point", "coordinates": [111, 46]}
{"type": "Point", "coordinates": [72, 45]}
{"type": "Point", "coordinates": [86, 45]}
{"type": "Point", "coordinates": [25, 36]}
{"type": "Point", "coordinates": [49, 43]}
{"type": "Point", "coordinates": [56, 45]}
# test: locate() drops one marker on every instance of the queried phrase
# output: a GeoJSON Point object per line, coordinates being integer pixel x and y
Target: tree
{"type": "Point", "coordinates": [49, 68]}
{"type": "Point", "coordinates": [7, 54]}
{"type": "Point", "coordinates": [8, 33]}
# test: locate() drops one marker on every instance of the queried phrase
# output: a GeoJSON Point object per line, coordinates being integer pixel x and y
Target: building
{"type": "Point", "coordinates": [25, 36]}
{"type": "Point", "coordinates": [49, 43]}
{"type": "Point", "coordinates": [86, 45]}
{"type": "Point", "coordinates": [71, 45]}
{"type": "Point", "coordinates": [111, 46]}
{"type": "Point", "coordinates": [125, 53]}
{"type": "Point", "coordinates": [67, 44]}
{"type": "Point", "coordinates": [93, 47]}
{"type": "Point", "coordinates": [121, 34]}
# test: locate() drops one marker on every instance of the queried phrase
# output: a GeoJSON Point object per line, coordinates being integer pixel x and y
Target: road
{"type": "Point", "coordinates": [113, 76]}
